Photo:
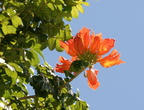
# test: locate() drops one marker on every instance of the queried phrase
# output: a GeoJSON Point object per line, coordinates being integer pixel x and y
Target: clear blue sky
{"type": "Point", "coordinates": [122, 86]}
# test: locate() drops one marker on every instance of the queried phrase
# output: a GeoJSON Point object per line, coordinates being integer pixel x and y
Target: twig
{"type": "Point", "coordinates": [27, 97]}
{"type": "Point", "coordinates": [21, 98]}
{"type": "Point", "coordinates": [75, 75]}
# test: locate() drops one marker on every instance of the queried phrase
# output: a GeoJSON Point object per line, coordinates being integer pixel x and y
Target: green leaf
{"type": "Point", "coordinates": [1, 36]}
{"type": "Point", "coordinates": [17, 67]}
{"type": "Point", "coordinates": [67, 16]}
{"type": "Point", "coordinates": [2, 17]}
{"type": "Point", "coordinates": [64, 34]}
{"type": "Point", "coordinates": [78, 66]}
{"type": "Point", "coordinates": [58, 48]}
{"type": "Point", "coordinates": [81, 105]}
{"type": "Point", "coordinates": [52, 31]}
{"type": "Point", "coordinates": [74, 12]}
{"type": "Point", "coordinates": [86, 3]}
{"type": "Point", "coordinates": [51, 6]}
{"type": "Point", "coordinates": [11, 54]}
{"type": "Point", "coordinates": [80, 8]}
{"type": "Point", "coordinates": [68, 32]}
{"type": "Point", "coordinates": [67, 13]}
{"type": "Point", "coordinates": [16, 21]}
{"type": "Point", "coordinates": [37, 48]}
{"type": "Point", "coordinates": [7, 94]}
{"type": "Point", "coordinates": [68, 74]}
{"type": "Point", "coordinates": [8, 29]}
{"type": "Point", "coordinates": [10, 12]}
{"type": "Point", "coordinates": [33, 57]}
{"type": "Point", "coordinates": [52, 43]}
{"type": "Point", "coordinates": [11, 73]}
{"type": "Point", "coordinates": [31, 71]}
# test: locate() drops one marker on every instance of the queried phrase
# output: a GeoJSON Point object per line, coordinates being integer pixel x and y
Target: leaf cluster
{"type": "Point", "coordinates": [27, 27]}
{"type": "Point", "coordinates": [56, 92]}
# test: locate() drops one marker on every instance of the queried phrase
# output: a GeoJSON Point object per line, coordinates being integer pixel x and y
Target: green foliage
{"type": "Point", "coordinates": [27, 27]}
{"type": "Point", "coordinates": [57, 92]}
{"type": "Point", "coordinates": [78, 65]}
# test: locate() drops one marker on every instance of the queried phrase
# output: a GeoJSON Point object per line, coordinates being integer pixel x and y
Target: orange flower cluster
{"type": "Point", "coordinates": [89, 48]}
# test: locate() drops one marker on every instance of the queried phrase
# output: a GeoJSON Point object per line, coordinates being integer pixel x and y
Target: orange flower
{"type": "Point", "coordinates": [64, 66]}
{"type": "Point", "coordinates": [111, 60]}
{"type": "Point", "coordinates": [92, 78]}
{"type": "Point", "coordinates": [91, 48]}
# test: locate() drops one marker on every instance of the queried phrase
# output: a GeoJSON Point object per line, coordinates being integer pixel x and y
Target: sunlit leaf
{"type": "Point", "coordinates": [2, 17]}
{"type": "Point", "coordinates": [16, 21]}
{"type": "Point", "coordinates": [17, 67]}
{"type": "Point", "coordinates": [68, 32]}
{"type": "Point", "coordinates": [51, 43]}
{"type": "Point", "coordinates": [74, 12]}
{"type": "Point", "coordinates": [81, 105]}
{"type": "Point", "coordinates": [10, 12]}
{"type": "Point", "coordinates": [80, 8]}
{"type": "Point", "coordinates": [37, 48]}
{"type": "Point", "coordinates": [8, 29]}
{"type": "Point", "coordinates": [34, 58]}
{"type": "Point", "coordinates": [58, 48]}
{"type": "Point", "coordinates": [86, 3]}
{"type": "Point", "coordinates": [12, 74]}
{"type": "Point", "coordinates": [51, 6]}
{"type": "Point", "coordinates": [7, 94]}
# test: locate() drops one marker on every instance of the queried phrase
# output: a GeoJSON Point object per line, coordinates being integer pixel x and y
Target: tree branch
{"type": "Point", "coordinates": [21, 98]}
{"type": "Point", "coordinates": [75, 75]}
{"type": "Point", "coordinates": [27, 97]}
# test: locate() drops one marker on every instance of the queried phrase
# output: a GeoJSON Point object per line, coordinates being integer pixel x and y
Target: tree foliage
{"type": "Point", "coordinates": [27, 27]}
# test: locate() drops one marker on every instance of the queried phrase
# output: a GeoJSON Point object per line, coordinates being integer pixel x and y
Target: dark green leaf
{"type": "Point", "coordinates": [33, 56]}
{"type": "Point", "coordinates": [78, 65]}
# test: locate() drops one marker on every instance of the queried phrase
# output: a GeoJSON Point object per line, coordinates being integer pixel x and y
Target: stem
{"type": "Point", "coordinates": [27, 97]}
{"type": "Point", "coordinates": [75, 75]}
{"type": "Point", "coordinates": [36, 102]}
{"type": "Point", "coordinates": [21, 98]}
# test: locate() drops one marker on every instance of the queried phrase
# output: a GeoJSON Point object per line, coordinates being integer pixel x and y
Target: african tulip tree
{"type": "Point", "coordinates": [27, 27]}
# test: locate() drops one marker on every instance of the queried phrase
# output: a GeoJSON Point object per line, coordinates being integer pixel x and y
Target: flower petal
{"type": "Point", "coordinates": [111, 60]}
{"type": "Point", "coordinates": [95, 45]}
{"type": "Point", "coordinates": [106, 45]}
{"type": "Point", "coordinates": [64, 66]}
{"type": "Point", "coordinates": [93, 86]}
{"type": "Point", "coordinates": [85, 35]}
{"type": "Point", "coordinates": [69, 47]}
{"type": "Point", "coordinates": [92, 78]}
{"type": "Point", "coordinates": [78, 45]}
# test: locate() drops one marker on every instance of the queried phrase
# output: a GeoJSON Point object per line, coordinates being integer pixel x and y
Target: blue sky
{"type": "Point", "coordinates": [122, 86]}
